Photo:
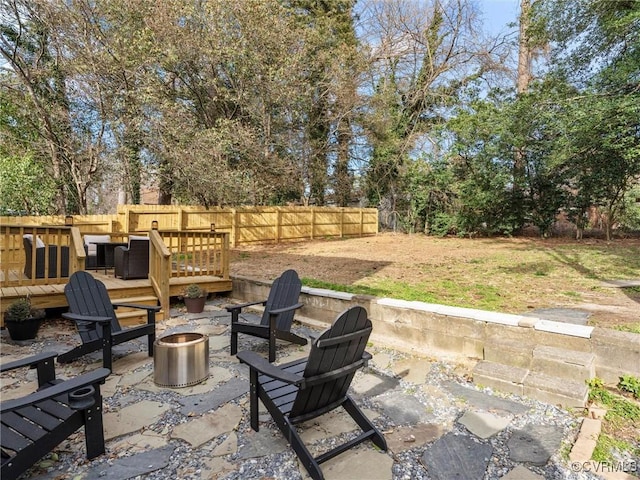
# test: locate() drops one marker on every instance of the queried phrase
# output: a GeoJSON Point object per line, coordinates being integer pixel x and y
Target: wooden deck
{"type": "Point", "coordinates": [176, 259]}
{"type": "Point", "coordinates": [130, 291]}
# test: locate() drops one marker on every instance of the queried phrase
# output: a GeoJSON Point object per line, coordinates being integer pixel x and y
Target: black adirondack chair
{"type": "Point", "coordinates": [33, 425]}
{"type": "Point", "coordinates": [277, 317]}
{"type": "Point", "coordinates": [305, 389]}
{"type": "Point", "coordinates": [91, 309]}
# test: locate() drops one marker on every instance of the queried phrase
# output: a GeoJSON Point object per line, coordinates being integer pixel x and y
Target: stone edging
{"type": "Point", "coordinates": [430, 329]}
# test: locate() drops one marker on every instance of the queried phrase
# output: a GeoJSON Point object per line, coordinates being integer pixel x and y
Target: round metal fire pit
{"type": "Point", "coordinates": [181, 360]}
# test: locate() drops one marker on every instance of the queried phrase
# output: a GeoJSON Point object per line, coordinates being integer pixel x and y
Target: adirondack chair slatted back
{"type": "Point", "coordinates": [334, 358]}
{"type": "Point", "coordinates": [88, 296]}
{"type": "Point", "coordinates": [285, 291]}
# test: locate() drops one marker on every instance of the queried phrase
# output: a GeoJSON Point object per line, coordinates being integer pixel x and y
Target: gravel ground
{"type": "Point", "coordinates": [186, 462]}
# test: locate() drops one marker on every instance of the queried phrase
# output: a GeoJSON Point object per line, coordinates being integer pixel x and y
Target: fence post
{"type": "Point", "coordinates": [225, 256]}
{"type": "Point", "coordinates": [181, 219]}
{"type": "Point", "coordinates": [234, 227]}
{"type": "Point", "coordinates": [127, 221]}
{"type": "Point", "coordinates": [277, 235]}
{"type": "Point", "coordinates": [313, 222]}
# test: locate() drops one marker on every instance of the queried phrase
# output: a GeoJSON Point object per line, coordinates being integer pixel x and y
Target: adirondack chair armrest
{"type": "Point", "coordinates": [366, 356]}
{"type": "Point", "coordinates": [278, 311]}
{"type": "Point", "coordinates": [86, 318]}
{"type": "Point", "coordinates": [31, 361]}
{"type": "Point", "coordinates": [239, 307]}
{"type": "Point", "coordinates": [91, 378]}
{"type": "Point", "coordinates": [258, 363]}
{"type": "Point", "coordinates": [154, 308]}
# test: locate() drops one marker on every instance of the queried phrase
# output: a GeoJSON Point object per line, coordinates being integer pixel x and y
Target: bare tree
{"type": "Point", "coordinates": [422, 55]}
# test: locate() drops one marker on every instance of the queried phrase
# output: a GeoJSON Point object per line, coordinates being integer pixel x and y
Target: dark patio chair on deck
{"type": "Point", "coordinates": [132, 261]}
{"type": "Point", "coordinates": [305, 389]}
{"type": "Point", "coordinates": [90, 250]}
{"type": "Point", "coordinates": [40, 258]}
{"type": "Point", "coordinates": [277, 317]}
{"type": "Point", "coordinates": [33, 425]}
{"type": "Point", "coordinates": [91, 309]}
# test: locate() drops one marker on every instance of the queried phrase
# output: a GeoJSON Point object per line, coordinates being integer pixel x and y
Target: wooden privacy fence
{"type": "Point", "coordinates": [245, 225]}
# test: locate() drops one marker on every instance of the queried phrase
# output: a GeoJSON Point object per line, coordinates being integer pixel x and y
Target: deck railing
{"type": "Point", "coordinates": [54, 253]}
{"type": "Point", "coordinates": [195, 253]}
{"type": "Point", "coordinates": [185, 254]}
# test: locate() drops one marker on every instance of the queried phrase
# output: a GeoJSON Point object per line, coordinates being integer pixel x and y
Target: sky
{"type": "Point", "coordinates": [498, 13]}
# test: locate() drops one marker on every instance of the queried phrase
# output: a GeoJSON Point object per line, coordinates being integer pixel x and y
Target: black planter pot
{"type": "Point", "coordinates": [24, 330]}
{"type": "Point", "coordinates": [194, 305]}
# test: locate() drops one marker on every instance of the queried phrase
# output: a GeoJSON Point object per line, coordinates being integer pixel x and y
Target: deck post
{"type": "Point", "coordinates": [160, 270]}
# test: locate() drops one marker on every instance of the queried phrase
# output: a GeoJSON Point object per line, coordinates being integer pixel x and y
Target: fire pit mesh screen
{"type": "Point", "coordinates": [181, 360]}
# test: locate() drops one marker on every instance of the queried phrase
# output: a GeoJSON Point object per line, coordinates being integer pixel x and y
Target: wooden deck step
{"type": "Point", "coordinates": [142, 300]}
{"type": "Point", "coordinates": [132, 318]}
{"type": "Point", "coordinates": [136, 316]}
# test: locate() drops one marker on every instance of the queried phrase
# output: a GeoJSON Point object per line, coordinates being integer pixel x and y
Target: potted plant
{"type": "Point", "coordinates": [194, 298]}
{"type": "Point", "coordinates": [23, 321]}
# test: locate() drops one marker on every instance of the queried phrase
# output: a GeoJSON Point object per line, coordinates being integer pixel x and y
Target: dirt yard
{"type": "Point", "coordinates": [515, 275]}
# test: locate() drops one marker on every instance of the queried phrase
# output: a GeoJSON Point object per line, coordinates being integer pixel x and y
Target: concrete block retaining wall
{"type": "Point", "coordinates": [439, 330]}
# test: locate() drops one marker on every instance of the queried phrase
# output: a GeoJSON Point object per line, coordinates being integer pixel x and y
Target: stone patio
{"type": "Point", "coordinates": [436, 424]}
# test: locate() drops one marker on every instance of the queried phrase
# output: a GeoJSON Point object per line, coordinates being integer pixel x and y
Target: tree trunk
{"type": "Point", "coordinates": [524, 48]}
{"type": "Point", "coordinates": [522, 85]}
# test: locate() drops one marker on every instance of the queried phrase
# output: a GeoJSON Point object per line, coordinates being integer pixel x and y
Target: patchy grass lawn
{"type": "Point", "coordinates": [512, 275]}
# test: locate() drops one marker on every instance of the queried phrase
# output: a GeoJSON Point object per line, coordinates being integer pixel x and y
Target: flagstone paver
{"type": "Point", "coordinates": [204, 428]}
{"type": "Point", "coordinates": [534, 445]}
{"type": "Point", "coordinates": [225, 392]}
{"type": "Point", "coordinates": [482, 424]}
{"type": "Point", "coordinates": [217, 375]}
{"type": "Point", "coordinates": [261, 443]}
{"type": "Point", "coordinates": [139, 442]}
{"type": "Point", "coordinates": [483, 400]}
{"type": "Point", "coordinates": [408, 437]}
{"type": "Point", "coordinates": [522, 473]}
{"type": "Point", "coordinates": [212, 330]}
{"type": "Point", "coordinates": [332, 424]}
{"type": "Point", "coordinates": [228, 447]}
{"type": "Point", "coordinates": [135, 378]}
{"type": "Point", "coordinates": [132, 362]}
{"type": "Point", "coordinates": [381, 360]}
{"type": "Point", "coordinates": [412, 370]}
{"type": "Point", "coordinates": [217, 467]}
{"type": "Point", "coordinates": [372, 384]}
{"type": "Point", "coordinates": [19, 389]}
{"type": "Point", "coordinates": [132, 418]}
{"type": "Point", "coordinates": [110, 385]}
{"type": "Point", "coordinates": [457, 457]}
{"type": "Point", "coordinates": [219, 342]}
{"type": "Point", "coordinates": [362, 463]}
{"type": "Point", "coordinates": [438, 395]}
{"type": "Point", "coordinates": [133, 466]}
{"type": "Point", "coordinates": [404, 409]}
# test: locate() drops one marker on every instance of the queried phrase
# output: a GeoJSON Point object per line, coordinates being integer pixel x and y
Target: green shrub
{"type": "Point", "coordinates": [194, 291]}
{"type": "Point", "coordinates": [21, 310]}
